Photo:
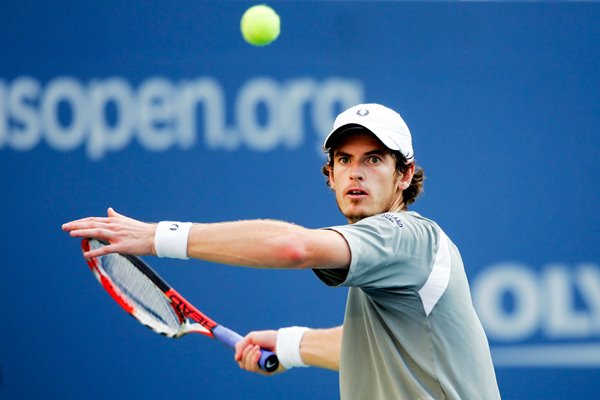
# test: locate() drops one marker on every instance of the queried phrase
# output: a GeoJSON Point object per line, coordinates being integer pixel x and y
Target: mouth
{"type": "Point", "coordinates": [356, 193]}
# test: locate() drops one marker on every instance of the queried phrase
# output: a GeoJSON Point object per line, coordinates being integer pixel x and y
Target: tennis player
{"type": "Point", "coordinates": [410, 329]}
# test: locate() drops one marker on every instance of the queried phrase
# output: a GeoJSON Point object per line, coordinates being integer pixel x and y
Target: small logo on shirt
{"type": "Point", "coordinates": [392, 218]}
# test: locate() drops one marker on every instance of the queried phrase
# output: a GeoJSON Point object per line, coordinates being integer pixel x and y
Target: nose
{"type": "Point", "coordinates": [356, 173]}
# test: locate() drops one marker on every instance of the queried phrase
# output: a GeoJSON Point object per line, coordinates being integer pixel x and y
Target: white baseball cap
{"type": "Point", "coordinates": [383, 122]}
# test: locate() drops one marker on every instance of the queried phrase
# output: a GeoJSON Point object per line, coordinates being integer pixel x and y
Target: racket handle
{"type": "Point", "coordinates": [268, 360]}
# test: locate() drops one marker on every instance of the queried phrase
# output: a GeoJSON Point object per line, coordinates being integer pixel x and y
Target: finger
{"type": "Point", "coordinates": [83, 222]}
{"type": "Point", "coordinates": [112, 213]}
{"type": "Point", "coordinates": [242, 353]}
{"type": "Point", "coordinates": [247, 350]}
{"type": "Point", "coordinates": [98, 233]}
{"type": "Point", "coordinates": [102, 251]}
{"type": "Point", "coordinates": [255, 358]}
{"type": "Point", "coordinates": [239, 352]}
{"type": "Point", "coordinates": [87, 224]}
{"type": "Point", "coordinates": [248, 356]}
{"type": "Point", "coordinates": [240, 346]}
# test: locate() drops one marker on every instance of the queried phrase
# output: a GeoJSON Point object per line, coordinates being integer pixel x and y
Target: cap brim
{"type": "Point", "coordinates": [336, 133]}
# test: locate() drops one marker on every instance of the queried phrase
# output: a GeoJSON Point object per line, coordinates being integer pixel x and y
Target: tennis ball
{"type": "Point", "coordinates": [260, 25]}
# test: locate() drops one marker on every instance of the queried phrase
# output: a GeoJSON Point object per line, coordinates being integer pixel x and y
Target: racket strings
{"type": "Point", "coordinates": [150, 305]}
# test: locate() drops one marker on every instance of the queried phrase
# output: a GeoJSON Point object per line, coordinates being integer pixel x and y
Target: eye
{"type": "Point", "coordinates": [344, 160]}
{"type": "Point", "coordinates": [374, 159]}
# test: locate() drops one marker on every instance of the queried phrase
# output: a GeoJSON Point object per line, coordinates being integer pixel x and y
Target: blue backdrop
{"type": "Point", "coordinates": [163, 112]}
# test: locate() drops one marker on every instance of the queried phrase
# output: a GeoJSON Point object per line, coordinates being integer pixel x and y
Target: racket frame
{"type": "Point", "coordinates": [185, 310]}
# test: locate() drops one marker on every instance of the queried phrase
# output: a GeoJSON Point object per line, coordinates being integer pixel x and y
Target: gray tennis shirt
{"type": "Point", "coordinates": [410, 329]}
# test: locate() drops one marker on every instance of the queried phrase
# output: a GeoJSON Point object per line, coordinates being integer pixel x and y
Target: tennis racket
{"type": "Point", "coordinates": [148, 298]}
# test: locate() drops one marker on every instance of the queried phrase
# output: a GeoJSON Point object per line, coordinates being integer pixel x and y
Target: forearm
{"type": "Point", "coordinates": [264, 243]}
{"type": "Point", "coordinates": [322, 347]}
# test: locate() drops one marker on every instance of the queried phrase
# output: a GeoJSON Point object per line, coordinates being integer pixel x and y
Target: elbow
{"type": "Point", "coordinates": [294, 252]}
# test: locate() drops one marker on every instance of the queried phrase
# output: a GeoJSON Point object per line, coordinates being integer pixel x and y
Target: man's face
{"type": "Point", "coordinates": [364, 177]}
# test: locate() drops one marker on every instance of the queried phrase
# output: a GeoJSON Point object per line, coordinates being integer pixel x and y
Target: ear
{"type": "Point", "coordinates": [330, 176]}
{"type": "Point", "coordinates": [406, 178]}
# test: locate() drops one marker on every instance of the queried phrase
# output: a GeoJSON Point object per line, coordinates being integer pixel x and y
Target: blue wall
{"type": "Point", "coordinates": [163, 112]}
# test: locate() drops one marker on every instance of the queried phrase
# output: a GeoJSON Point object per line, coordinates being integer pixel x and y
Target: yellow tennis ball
{"type": "Point", "coordinates": [260, 25]}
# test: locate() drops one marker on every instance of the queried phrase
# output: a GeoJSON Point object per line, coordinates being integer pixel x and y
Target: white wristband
{"type": "Point", "coordinates": [171, 239]}
{"type": "Point", "coordinates": [288, 346]}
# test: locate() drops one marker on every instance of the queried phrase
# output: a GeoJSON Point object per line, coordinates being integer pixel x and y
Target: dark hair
{"type": "Point", "coordinates": [410, 194]}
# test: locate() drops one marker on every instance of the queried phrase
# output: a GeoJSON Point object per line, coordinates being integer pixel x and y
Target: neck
{"type": "Point", "coordinates": [397, 206]}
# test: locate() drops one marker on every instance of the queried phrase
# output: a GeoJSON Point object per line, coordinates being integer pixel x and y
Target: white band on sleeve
{"type": "Point", "coordinates": [171, 239]}
{"type": "Point", "coordinates": [288, 346]}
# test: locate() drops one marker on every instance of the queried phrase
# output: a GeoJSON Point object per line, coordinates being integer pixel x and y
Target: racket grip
{"type": "Point", "coordinates": [268, 360]}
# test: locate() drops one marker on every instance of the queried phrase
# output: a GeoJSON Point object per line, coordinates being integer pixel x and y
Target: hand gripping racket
{"type": "Point", "coordinates": [148, 298]}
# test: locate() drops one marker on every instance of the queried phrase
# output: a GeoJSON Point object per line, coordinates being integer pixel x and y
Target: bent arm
{"type": "Point", "coordinates": [318, 348]}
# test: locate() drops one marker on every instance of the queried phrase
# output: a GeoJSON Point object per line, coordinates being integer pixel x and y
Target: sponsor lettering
{"type": "Point", "coordinates": [107, 115]}
{"type": "Point", "coordinates": [545, 317]}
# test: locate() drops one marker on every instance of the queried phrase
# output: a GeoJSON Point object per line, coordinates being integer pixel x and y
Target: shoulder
{"type": "Point", "coordinates": [399, 219]}
{"type": "Point", "coordinates": [393, 218]}
{"type": "Point", "coordinates": [389, 226]}
{"type": "Point", "coordinates": [411, 226]}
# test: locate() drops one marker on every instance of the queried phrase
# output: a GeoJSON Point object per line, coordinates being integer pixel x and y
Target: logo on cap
{"type": "Point", "coordinates": [362, 112]}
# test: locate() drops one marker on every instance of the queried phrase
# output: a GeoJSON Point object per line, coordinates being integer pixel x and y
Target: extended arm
{"type": "Point", "coordinates": [269, 244]}
{"type": "Point", "coordinates": [256, 243]}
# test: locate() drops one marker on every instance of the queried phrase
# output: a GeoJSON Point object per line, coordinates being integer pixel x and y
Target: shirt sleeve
{"type": "Point", "coordinates": [384, 254]}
